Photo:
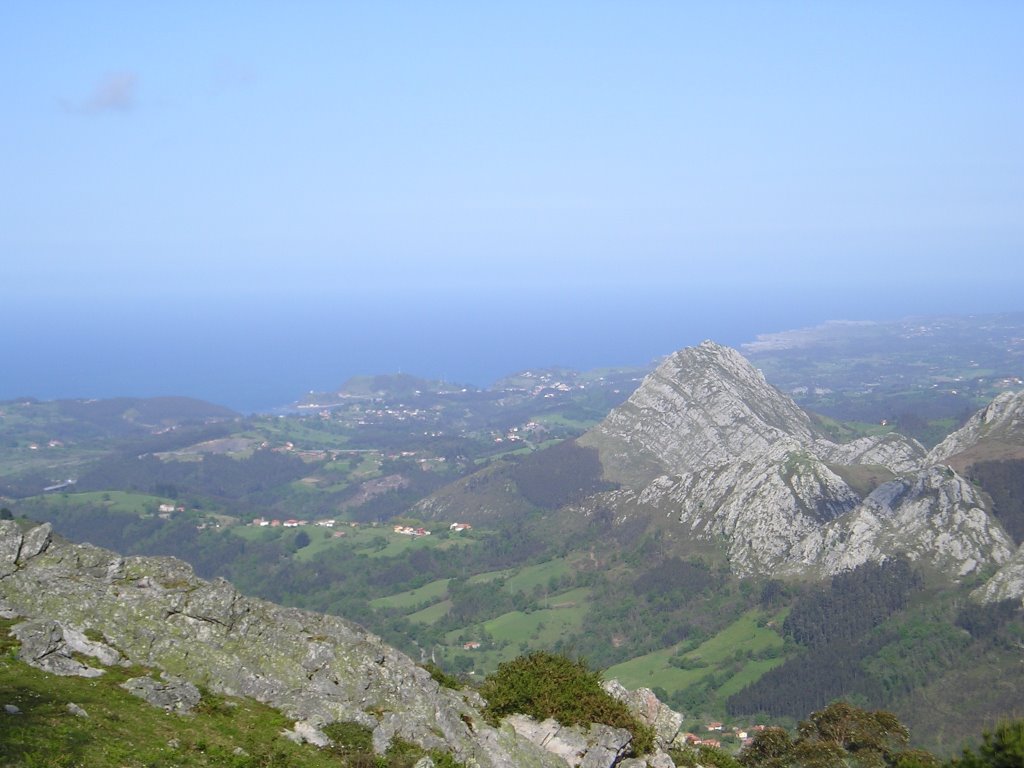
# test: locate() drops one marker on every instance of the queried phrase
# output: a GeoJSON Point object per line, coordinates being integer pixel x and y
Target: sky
{"type": "Point", "coordinates": [240, 201]}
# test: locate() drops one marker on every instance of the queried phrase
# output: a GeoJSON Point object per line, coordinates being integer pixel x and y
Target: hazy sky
{"type": "Point", "coordinates": [318, 153]}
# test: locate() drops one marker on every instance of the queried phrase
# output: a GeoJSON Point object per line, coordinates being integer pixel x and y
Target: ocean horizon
{"type": "Point", "coordinates": [258, 355]}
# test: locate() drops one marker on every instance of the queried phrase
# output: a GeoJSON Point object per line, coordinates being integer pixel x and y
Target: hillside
{"type": "Point", "coordinates": [315, 669]}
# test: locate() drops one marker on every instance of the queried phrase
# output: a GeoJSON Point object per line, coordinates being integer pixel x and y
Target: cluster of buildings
{"type": "Point", "coordinates": [743, 735]}
{"type": "Point", "coordinates": [262, 522]}
{"type": "Point", "coordinates": [408, 530]}
{"type": "Point", "coordinates": [517, 434]}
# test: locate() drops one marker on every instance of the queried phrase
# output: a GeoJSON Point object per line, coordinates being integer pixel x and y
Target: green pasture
{"type": "Point", "coordinates": [742, 636]}
{"type": "Point", "coordinates": [428, 593]}
{"type": "Point", "coordinates": [512, 632]}
{"type": "Point", "coordinates": [431, 614]}
{"type": "Point", "coordinates": [537, 575]}
{"type": "Point", "coordinates": [116, 501]}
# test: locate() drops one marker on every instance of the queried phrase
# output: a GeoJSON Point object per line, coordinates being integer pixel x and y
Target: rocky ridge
{"type": "Point", "coordinates": [706, 440]}
{"type": "Point", "coordinates": [314, 668]}
{"type": "Point", "coordinates": [1001, 422]}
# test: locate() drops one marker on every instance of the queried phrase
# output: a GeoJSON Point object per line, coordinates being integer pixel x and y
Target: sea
{"type": "Point", "coordinates": [262, 353]}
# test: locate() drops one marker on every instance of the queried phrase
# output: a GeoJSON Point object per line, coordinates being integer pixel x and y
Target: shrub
{"type": "Point", "coordinates": [441, 677]}
{"type": "Point", "coordinates": [1002, 748]}
{"type": "Point", "coordinates": [544, 685]}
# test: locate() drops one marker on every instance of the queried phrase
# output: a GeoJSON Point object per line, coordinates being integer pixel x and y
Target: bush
{"type": "Point", "coordinates": [441, 677]}
{"type": "Point", "coordinates": [544, 685]}
{"type": "Point", "coordinates": [1002, 748]}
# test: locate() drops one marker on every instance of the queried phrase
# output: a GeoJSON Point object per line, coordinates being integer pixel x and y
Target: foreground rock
{"type": "Point", "coordinates": [316, 669]}
{"type": "Point", "coordinates": [51, 646]}
{"type": "Point", "coordinates": [599, 746]}
{"type": "Point", "coordinates": [174, 695]}
{"type": "Point", "coordinates": [649, 710]}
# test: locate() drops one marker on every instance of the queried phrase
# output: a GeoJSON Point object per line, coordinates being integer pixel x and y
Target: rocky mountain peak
{"type": "Point", "coordinates": [704, 406]}
{"type": "Point", "coordinates": [707, 440]}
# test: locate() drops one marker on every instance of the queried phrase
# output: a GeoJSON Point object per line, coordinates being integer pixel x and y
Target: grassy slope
{"type": "Point", "coordinates": [428, 593]}
{"type": "Point", "coordinates": [743, 635]}
{"type": "Point", "coordinates": [123, 731]}
{"type": "Point", "coordinates": [116, 501]}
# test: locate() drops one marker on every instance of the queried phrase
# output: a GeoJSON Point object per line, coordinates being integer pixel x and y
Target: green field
{"type": "Point", "coordinates": [537, 575]}
{"type": "Point", "coordinates": [428, 593]}
{"type": "Point", "coordinates": [560, 420]}
{"type": "Point", "coordinates": [526, 578]}
{"type": "Point", "coordinates": [523, 580]}
{"type": "Point", "coordinates": [320, 540]}
{"type": "Point", "coordinates": [742, 636]}
{"type": "Point", "coordinates": [512, 633]}
{"type": "Point", "coordinates": [431, 614]}
{"type": "Point", "coordinates": [115, 501]}
{"type": "Point", "coordinates": [369, 541]}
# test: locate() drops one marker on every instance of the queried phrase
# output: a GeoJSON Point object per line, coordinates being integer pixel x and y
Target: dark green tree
{"type": "Point", "coordinates": [770, 748]}
{"type": "Point", "coordinates": [1002, 748]}
{"type": "Point", "coordinates": [839, 736]}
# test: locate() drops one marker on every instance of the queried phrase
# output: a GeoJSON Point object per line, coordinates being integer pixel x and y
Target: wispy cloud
{"type": "Point", "coordinates": [115, 92]}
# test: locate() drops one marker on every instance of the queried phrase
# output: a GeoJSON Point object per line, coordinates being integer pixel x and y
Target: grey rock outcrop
{"type": "Point", "coordinates": [50, 646]}
{"type": "Point", "coordinates": [1007, 583]}
{"type": "Point", "coordinates": [656, 760]}
{"type": "Point", "coordinates": [893, 451]}
{"type": "Point", "coordinates": [314, 668]}
{"type": "Point", "coordinates": [996, 432]}
{"type": "Point", "coordinates": [933, 514]}
{"type": "Point", "coordinates": [307, 733]}
{"type": "Point", "coordinates": [649, 710]}
{"type": "Point", "coordinates": [1000, 422]}
{"type": "Point", "coordinates": [599, 746]}
{"type": "Point", "coordinates": [702, 407]}
{"type": "Point", "coordinates": [15, 552]}
{"type": "Point", "coordinates": [706, 440]}
{"type": "Point", "coordinates": [172, 695]}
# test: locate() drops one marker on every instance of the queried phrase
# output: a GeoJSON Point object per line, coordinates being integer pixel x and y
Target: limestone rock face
{"type": "Point", "coordinates": [1001, 421]}
{"type": "Point", "coordinates": [703, 407]}
{"type": "Point", "coordinates": [707, 441]}
{"type": "Point", "coordinates": [1007, 583]}
{"type": "Point", "coordinates": [933, 514]}
{"type": "Point", "coordinates": [50, 646]}
{"type": "Point", "coordinates": [15, 552]}
{"type": "Point", "coordinates": [314, 668]}
{"type": "Point", "coordinates": [599, 746]}
{"type": "Point", "coordinates": [892, 451]}
{"type": "Point", "coordinates": [762, 507]}
{"type": "Point", "coordinates": [174, 695]}
{"type": "Point", "coordinates": [650, 710]}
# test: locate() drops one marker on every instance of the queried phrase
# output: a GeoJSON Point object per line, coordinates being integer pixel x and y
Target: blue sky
{"type": "Point", "coordinates": [798, 161]}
